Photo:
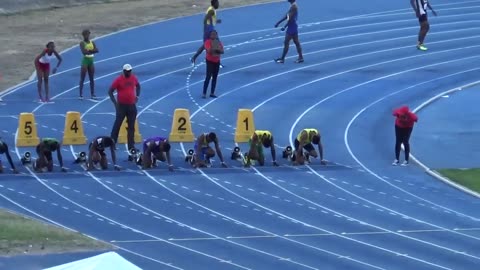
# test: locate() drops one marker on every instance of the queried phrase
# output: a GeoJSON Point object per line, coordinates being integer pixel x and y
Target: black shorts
{"type": "Point", "coordinates": [423, 18]}
{"type": "Point", "coordinates": [47, 154]}
{"type": "Point", "coordinates": [309, 147]}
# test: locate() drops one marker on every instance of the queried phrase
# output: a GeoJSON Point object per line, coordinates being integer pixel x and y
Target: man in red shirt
{"type": "Point", "coordinates": [214, 49]}
{"type": "Point", "coordinates": [128, 91]}
{"type": "Point", "coordinates": [404, 122]}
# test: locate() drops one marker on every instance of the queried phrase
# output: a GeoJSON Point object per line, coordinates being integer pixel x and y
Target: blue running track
{"type": "Point", "coordinates": [358, 212]}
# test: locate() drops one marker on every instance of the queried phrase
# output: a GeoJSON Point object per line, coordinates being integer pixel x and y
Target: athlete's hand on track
{"type": "Point", "coordinates": [170, 168]}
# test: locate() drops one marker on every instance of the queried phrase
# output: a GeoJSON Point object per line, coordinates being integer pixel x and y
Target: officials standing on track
{"type": "Point", "coordinates": [291, 33]}
{"type": "Point", "coordinates": [88, 49]}
{"type": "Point", "coordinates": [209, 22]}
{"type": "Point", "coordinates": [214, 49]}
{"type": "Point", "coordinates": [404, 122]}
{"type": "Point", "coordinates": [128, 92]}
{"type": "Point", "coordinates": [420, 8]}
{"type": "Point", "coordinates": [42, 67]}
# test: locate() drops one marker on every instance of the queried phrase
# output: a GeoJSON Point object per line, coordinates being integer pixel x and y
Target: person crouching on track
{"type": "Point", "coordinates": [405, 119]}
{"type": "Point", "coordinates": [96, 153]}
{"type": "Point", "coordinates": [203, 151]}
{"type": "Point", "coordinates": [305, 140]}
{"type": "Point", "coordinates": [259, 140]}
{"type": "Point", "coordinates": [156, 148]}
{"type": "Point", "coordinates": [44, 151]}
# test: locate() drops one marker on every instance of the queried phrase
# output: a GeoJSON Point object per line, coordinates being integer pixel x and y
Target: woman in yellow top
{"type": "Point", "coordinates": [260, 139]}
{"type": "Point", "coordinates": [88, 49]}
{"type": "Point", "coordinates": [305, 140]}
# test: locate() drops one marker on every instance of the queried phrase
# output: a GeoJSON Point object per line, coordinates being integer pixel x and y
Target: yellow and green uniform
{"type": "Point", "coordinates": [260, 134]}
{"type": "Point", "coordinates": [210, 26]}
{"type": "Point", "coordinates": [309, 137]}
{"type": "Point", "coordinates": [87, 59]}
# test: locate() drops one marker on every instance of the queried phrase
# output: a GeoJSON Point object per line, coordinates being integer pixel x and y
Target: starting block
{"type": "Point", "coordinates": [122, 136]}
{"type": "Point", "coordinates": [73, 132]}
{"type": "Point", "coordinates": [241, 157]}
{"type": "Point", "coordinates": [81, 158]}
{"type": "Point", "coordinates": [245, 126]}
{"type": "Point", "coordinates": [27, 131]}
{"type": "Point", "coordinates": [26, 159]}
{"type": "Point", "coordinates": [181, 127]}
{"type": "Point", "coordinates": [190, 158]}
{"type": "Point", "coordinates": [288, 153]}
{"type": "Point", "coordinates": [133, 154]}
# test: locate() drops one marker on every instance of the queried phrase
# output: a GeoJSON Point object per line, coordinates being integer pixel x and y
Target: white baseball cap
{"type": "Point", "coordinates": [127, 67]}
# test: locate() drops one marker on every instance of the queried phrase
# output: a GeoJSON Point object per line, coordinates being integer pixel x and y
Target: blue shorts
{"type": "Point", "coordinates": [206, 33]}
{"type": "Point", "coordinates": [292, 30]}
{"type": "Point", "coordinates": [203, 152]}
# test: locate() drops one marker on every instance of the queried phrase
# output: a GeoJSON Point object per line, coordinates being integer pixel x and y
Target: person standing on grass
{"type": "Point", "coordinates": [42, 67]}
{"type": "Point", "coordinates": [88, 49]}
{"type": "Point", "coordinates": [420, 8]}
{"type": "Point", "coordinates": [404, 121]}
{"type": "Point", "coordinates": [292, 33]}
{"type": "Point", "coordinates": [214, 49]}
{"type": "Point", "coordinates": [128, 92]}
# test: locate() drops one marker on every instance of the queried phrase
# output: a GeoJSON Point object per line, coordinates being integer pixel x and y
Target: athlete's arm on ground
{"type": "Point", "coordinates": [90, 155]}
{"type": "Point", "coordinates": [59, 155]}
{"type": "Point", "coordinates": [219, 152]}
{"type": "Point", "coordinates": [9, 158]}
{"type": "Point", "coordinates": [320, 148]}
{"type": "Point", "coordinates": [272, 150]}
{"type": "Point", "coordinates": [169, 160]}
{"type": "Point", "coordinates": [114, 155]}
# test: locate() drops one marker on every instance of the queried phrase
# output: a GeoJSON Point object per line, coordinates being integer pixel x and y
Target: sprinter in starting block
{"type": "Point", "coordinates": [259, 140]}
{"type": "Point", "coordinates": [44, 149]}
{"type": "Point", "coordinates": [203, 152]}
{"type": "Point", "coordinates": [156, 148]}
{"type": "Point", "coordinates": [305, 141]}
{"type": "Point", "coordinates": [96, 153]}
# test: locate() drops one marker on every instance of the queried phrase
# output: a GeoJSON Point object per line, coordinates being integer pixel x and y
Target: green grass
{"type": "Point", "coordinates": [469, 178]}
{"type": "Point", "coordinates": [21, 235]}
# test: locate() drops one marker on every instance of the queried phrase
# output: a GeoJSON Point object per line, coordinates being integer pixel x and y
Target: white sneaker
{"type": "Point", "coordinates": [396, 162]}
{"type": "Point", "coordinates": [405, 163]}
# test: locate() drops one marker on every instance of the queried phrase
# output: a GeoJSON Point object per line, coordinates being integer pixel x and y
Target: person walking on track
{"type": "Point", "coordinates": [291, 33]}
{"type": "Point", "coordinates": [420, 8]}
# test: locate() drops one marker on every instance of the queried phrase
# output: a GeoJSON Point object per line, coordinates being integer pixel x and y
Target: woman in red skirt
{"type": "Point", "coordinates": [42, 66]}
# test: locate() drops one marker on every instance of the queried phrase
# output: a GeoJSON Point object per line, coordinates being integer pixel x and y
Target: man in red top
{"type": "Point", "coordinates": [214, 48]}
{"type": "Point", "coordinates": [128, 91]}
{"type": "Point", "coordinates": [405, 119]}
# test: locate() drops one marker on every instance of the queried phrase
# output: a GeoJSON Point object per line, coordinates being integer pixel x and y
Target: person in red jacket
{"type": "Point", "coordinates": [405, 119]}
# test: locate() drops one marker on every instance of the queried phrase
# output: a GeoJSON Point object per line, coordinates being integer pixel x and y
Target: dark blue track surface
{"type": "Point", "coordinates": [358, 212]}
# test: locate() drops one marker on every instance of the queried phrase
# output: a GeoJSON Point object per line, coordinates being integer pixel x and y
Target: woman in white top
{"type": "Point", "coordinates": [42, 65]}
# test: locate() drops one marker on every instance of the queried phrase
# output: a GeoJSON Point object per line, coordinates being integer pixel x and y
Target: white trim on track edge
{"type": "Point", "coordinates": [428, 170]}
